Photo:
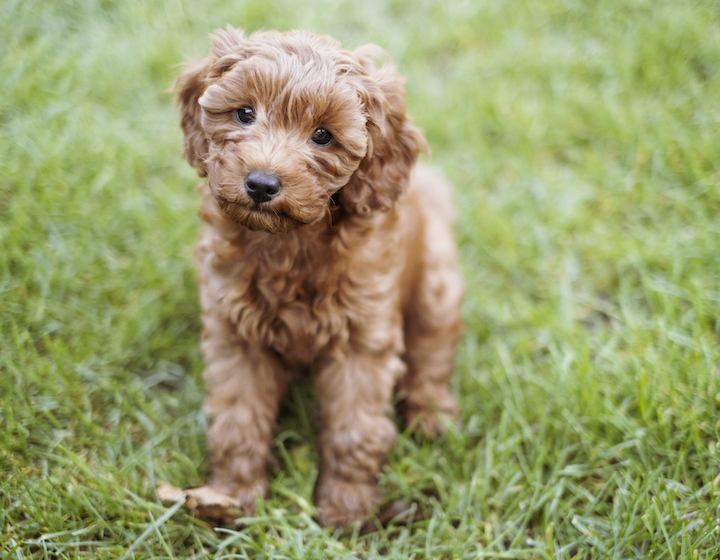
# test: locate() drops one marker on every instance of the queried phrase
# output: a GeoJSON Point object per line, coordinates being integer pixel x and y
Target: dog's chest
{"type": "Point", "coordinates": [293, 307]}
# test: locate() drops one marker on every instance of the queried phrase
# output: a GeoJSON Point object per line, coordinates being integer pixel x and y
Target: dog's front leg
{"type": "Point", "coordinates": [245, 385]}
{"type": "Point", "coordinates": [354, 392]}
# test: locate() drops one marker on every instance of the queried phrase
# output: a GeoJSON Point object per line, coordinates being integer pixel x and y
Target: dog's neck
{"type": "Point", "coordinates": [310, 244]}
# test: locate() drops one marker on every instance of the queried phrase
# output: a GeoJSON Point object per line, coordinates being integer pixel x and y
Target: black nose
{"type": "Point", "coordinates": [262, 186]}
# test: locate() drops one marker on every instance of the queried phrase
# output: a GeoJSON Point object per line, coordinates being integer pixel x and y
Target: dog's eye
{"type": "Point", "coordinates": [321, 137]}
{"type": "Point", "coordinates": [245, 115]}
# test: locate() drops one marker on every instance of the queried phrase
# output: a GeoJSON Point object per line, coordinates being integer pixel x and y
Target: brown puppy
{"type": "Point", "coordinates": [322, 252]}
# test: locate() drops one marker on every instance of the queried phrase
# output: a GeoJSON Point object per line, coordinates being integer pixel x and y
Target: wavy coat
{"type": "Point", "coordinates": [349, 274]}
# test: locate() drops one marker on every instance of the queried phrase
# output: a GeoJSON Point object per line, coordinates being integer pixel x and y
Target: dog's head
{"type": "Point", "coordinates": [285, 125]}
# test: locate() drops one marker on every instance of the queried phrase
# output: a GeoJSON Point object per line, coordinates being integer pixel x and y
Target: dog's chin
{"type": "Point", "coordinates": [256, 219]}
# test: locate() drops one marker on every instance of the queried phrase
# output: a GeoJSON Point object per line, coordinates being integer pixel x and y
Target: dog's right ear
{"type": "Point", "coordinates": [192, 83]}
{"type": "Point", "coordinates": [190, 86]}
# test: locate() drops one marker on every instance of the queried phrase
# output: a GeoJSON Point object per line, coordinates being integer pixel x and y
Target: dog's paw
{"type": "Point", "coordinates": [341, 503]}
{"type": "Point", "coordinates": [433, 422]}
{"type": "Point", "coordinates": [242, 494]}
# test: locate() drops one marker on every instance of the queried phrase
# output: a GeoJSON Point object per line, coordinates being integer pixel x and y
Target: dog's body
{"type": "Point", "coordinates": [321, 252]}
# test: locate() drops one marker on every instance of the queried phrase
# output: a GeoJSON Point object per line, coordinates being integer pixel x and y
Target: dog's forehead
{"type": "Point", "coordinates": [313, 50]}
{"type": "Point", "coordinates": [298, 80]}
{"type": "Point", "coordinates": [296, 64]}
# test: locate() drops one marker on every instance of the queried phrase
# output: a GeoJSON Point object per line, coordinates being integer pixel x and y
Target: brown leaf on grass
{"type": "Point", "coordinates": [202, 502]}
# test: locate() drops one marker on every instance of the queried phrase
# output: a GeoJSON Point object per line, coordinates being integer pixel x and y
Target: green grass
{"type": "Point", "coordinates": [583, 140]}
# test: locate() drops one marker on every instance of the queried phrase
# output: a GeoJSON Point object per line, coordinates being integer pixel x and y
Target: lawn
{"type": "Point", "coordinates": [583, 141]}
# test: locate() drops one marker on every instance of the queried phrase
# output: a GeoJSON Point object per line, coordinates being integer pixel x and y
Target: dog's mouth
{"type": "Point", "coordinates": [260, 217]}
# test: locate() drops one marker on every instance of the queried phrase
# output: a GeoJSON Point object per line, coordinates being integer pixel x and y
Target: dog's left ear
{"type": "Point", "coordinates": [393, 141]}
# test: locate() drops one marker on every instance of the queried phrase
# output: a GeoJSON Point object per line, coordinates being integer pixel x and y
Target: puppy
{"type": "Point", "coordinates": [323, 252]}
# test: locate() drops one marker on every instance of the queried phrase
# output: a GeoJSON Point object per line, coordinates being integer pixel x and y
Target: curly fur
{"type": "Point", "coordinates": [349, 275]}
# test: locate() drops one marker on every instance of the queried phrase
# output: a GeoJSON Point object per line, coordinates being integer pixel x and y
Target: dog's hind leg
{"type": "Point", "coordinates": [432, 317]}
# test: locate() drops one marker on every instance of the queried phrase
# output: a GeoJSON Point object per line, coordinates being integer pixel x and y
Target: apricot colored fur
{"type": "Point", "coordinates": [349, 275]}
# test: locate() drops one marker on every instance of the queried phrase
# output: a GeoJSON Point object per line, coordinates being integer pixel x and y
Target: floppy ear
{"type": "Point", "coordinates": [393, 141]}
{"type": "Point", "coordinates": [191, 84]}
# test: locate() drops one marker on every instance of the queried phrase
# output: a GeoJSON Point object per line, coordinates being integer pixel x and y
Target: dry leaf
{"type": "Point", "coordinates": [203, 502]}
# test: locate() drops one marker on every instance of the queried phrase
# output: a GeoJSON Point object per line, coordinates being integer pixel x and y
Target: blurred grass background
{"type": "Point", "coordinates": [582, 138]}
